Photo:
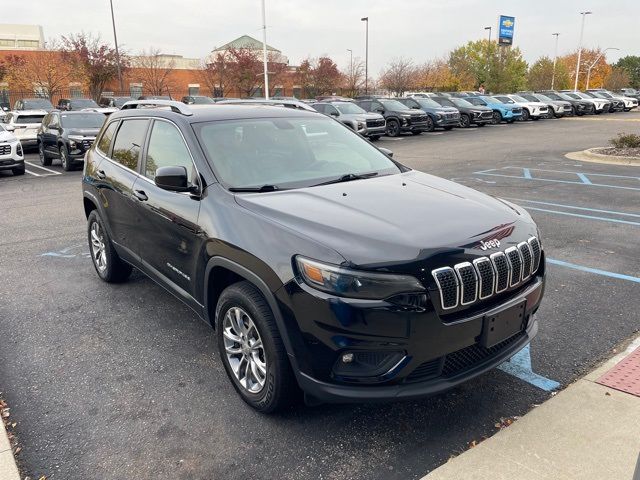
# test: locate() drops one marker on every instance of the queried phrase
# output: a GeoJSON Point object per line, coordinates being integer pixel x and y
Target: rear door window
{"type": "Point", "coordinates": [128, 143]}
{"type": "Point", "coordinates": [25, 119]}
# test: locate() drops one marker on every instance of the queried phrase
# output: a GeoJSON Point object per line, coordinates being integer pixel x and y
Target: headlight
{"type": "Point", "coordinates": [354, 284]}
{"type": "Point", "coordinates": [360, 125]}
{"type": "Point", "coordinates": [439, 116]}
{"type": "Point", "coordinates": [405, 115]}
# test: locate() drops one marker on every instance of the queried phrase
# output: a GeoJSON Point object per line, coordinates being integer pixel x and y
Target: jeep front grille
{"type": "Point", "coordinates": [466, 283]}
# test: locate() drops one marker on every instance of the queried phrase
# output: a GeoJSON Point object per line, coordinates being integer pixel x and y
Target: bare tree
{"type": "Point", "coordinates": [354, 78]}
{"type": "Point", "coordinates": [398, 76]}
{"type": "Point", "coordinates": [155, 71]}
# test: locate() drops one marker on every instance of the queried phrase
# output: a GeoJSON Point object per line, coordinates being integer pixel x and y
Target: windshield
{"type": "Point", "coordinates": [348, 108]}
{"type": "Point", "coordinates": [518, 98]}
{"type": "Point", "coordinates": [37, 104]}
{"type": "Point", "coordinates": [603, 94]}
{"type": "Point", "coordinates": [82, 120]}
{"type": "Point", "coordinates": [529, 98]}
{"type": "Point", "coordinates": [475, 101]}
{"type": "Point", "coordinates": [564, 96]}
{"type": "Point", "coordinates": [83, 103]}
{"type": "Point", "coordinates": [393, 105]}
{"type": "Point", "coordinates": [504, 100]}
{"type": "Point", "coordinates": [490, 99]}
{"type": "Point", "coordinates": [120, 101]}
{"type": "Point", "coordinates": [542, 98]}
{"type": "Point", "coordinates": [202, 100]}
{"type": "Point", "coordinates": [428, 103]}
{"type": "Point", "coordinates": [287, 152]}
{"type": "Point", "coordinates": [554, 96]}
{"type": "Point", "coordinates": [461, 102]}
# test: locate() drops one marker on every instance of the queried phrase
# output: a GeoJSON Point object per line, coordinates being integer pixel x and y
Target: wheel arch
{"type": "Point", "coordinates": [231, 272]}
{"type": "Point", "coordinates": [89, 205]}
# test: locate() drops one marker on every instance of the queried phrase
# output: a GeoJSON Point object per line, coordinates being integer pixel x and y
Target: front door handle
{"type": "Point", "coordinates": [101, 175]}
{"type": "Point", "coordinates": [140, 195]}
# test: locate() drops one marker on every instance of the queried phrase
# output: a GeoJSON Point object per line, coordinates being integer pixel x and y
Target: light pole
{"type": "Point", "coordinates": [555, 59]}
{"type": "Point", "coordinates": [264, 52]}
{"type": "Point", "coordinates": [488, 28]}
{"type": "Point", "coordinates": [575, 85]}
{"type": "Point", "coordinates": [594, 64]}
{"type": "Point", "coordinates": [115, 39]}
{"type": "Point", "coordinates": [366, 56]}
{"type": "Point", "coordinates": [350, 60]}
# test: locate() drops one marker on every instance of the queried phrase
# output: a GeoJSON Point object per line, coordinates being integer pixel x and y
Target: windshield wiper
{"type": "Point", "coordinates": [348, 178]}
{"type": "Point", "coordinates": [263, 188]}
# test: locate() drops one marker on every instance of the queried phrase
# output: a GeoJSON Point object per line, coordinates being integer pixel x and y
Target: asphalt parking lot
{"type": "Point", "coordinates": [123, 381]}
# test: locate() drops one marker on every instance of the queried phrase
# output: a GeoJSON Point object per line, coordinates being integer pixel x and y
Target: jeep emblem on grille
{"type": "Point", "coordinates": [494, 243]}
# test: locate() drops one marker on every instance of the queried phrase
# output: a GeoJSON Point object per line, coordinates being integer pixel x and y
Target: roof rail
{"type": "Point", "coordinates": [276, 103]}
{"type": "Point", "coordinates": [174, 105]}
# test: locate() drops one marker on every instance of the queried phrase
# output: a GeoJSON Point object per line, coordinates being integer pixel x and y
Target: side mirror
{"type": "Point", "coordinates": [9, 128]}
{"type": "Point", "coordinates": [379, 110]}
{"type": "Point", "coordinates": [334, 114]}
{"type": "Point", "coordinates": [415, 108]}
{"type": "Point", "coordinates": [6, 109]}
{"type": "Point", "coordinates": [173, 179]}
{"type": "Point", "coordinates": [386, 151]}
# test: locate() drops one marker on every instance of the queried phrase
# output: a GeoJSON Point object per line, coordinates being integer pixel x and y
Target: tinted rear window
{"type": "Point", "coordinates": [22, 119]}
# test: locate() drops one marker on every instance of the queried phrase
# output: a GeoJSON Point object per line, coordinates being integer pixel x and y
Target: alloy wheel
{"type": "Point", "coordinates": [393, 128]}
{"type": "Point", "coordinates": [464, 121]}
{"type": "Point", "coordinates": [244, 349]}
{"type": "Point", "coordinates": [98, 248]}
{"type": "Point", "coordinates": [41, 153]}
{"type": "Point", "coordinates": [496, 119]}
{"type": "Point", "coordinates": [64, 158]}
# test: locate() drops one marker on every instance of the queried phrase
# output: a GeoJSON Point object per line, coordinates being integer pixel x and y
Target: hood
{"type": "Point", "coordinates": [7, 137]}
{"type": "Point", "coordinates": [395, 218]}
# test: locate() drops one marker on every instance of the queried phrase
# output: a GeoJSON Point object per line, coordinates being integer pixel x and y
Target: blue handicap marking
{"type": "Point", "coordinates": [625, 182]}
{"type": "Point", "coordinates": [520, 366]}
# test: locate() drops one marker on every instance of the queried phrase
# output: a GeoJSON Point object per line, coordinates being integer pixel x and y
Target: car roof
{"type": "Point", "coordinates": [215, 112]}
{"type": "Point", "coordinates": [28, 112]}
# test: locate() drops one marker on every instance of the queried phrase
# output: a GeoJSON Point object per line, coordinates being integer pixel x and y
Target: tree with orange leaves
{"type": "Point", "coordinates": [599, 72]}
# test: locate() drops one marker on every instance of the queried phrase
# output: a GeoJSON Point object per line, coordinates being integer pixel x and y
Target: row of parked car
{"type": "Point", "coordinates": [67, 131]}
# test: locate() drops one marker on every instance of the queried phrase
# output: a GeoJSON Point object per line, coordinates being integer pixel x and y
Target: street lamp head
{"type": "Point", "coordinates": [586, 13]}
{"type": "Point", "coordinates": [487, 28]}
{"type": "Point", "coordinates": [364, 19]}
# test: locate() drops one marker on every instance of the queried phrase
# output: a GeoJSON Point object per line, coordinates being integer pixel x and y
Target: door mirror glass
{"type": "Point", "coordinates": [386, 151]}
{"type": "Point", "coordinates": [173, 178]}
{"type": "Point", "coordinates": [334, 113]}
{"type": "Point", "coordinates": [10, 128]}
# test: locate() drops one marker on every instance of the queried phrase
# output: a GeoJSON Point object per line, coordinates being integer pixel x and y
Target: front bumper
{"type": "Point", "coordinates": [447, 121]}
{"type": "Point", "coordinates": [436, 355]}
{"type": "Point", "coordinates": [11, 156]}
{"type": "Point", "coordinates": [368, 131]}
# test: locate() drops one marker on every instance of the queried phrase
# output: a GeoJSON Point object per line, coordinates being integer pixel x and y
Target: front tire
{"type": "Point", "coordinates": [252, 350]}
{"type": "Point", "coordinates": [497, 118]}
{"type": "Point", "coordinates": [430, 125]}
{"type": "Point", "coordinates": [525, 115]}
{"type": "Point", "coordinates": [393, 128]}
{"type": "Point", "coordinates": [465, 121]}
{"type": "Point", "coordinates": [18, 170]}
{"type": "Point", "coordinates": [44, 160]}
{"type": "Point", "coordinates": [67, 165]}
{"type": "Point", "coordinates": [109, 266]}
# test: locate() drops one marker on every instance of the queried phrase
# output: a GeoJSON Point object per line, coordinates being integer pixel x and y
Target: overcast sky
{"type": "Point", "coordinates": [418, 29]}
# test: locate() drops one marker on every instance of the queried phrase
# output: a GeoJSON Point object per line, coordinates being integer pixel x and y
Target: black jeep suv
{"type": "Point", "coordinates": [321, 263]}
{"type": "Point", "coordinates": [67, 136]}
{"type": "Point", "coordinates": [399, 117]}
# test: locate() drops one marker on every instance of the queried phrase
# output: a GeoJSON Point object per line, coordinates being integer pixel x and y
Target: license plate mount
{"type": "Point", "coordinates": [503, 324]}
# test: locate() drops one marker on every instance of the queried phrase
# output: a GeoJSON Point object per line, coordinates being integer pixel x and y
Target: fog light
{"type": "Point", "coordinates": [347, 358]}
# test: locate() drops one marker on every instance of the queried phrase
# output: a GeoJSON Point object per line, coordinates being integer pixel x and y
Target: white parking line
{"type": "Point", "coordinates": [435, 133]}
{"type": "Point", "coordinates": [31, 173]}
{"type": "Point", "coordinates": [42, 168]}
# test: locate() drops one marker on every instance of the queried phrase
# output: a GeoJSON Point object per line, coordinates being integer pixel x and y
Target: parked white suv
{"type": "Point", "coordinates": [25, 125]}
{"type": "Point", "coordinates": [11, 155]}
{"type": "Point", "coordinates": [533, 110]}
{"type": "Point", "coordinates": [629, 102]}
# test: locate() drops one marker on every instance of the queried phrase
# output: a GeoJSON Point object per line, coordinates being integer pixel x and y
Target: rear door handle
{"type": "Point", "coordinates": [101, 175]}
{"type": "Point", "coordinates": [140, 195]}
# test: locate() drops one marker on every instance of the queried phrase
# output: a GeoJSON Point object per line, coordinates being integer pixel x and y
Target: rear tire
{"type": "Point", "coordinates": [416, 132]}
{"type": "Point", "coordinates": [109, 266]}
{"type": "Point", "coordinates": [44, 160]}
{"type": "Point", "coordinates": [243, 321]}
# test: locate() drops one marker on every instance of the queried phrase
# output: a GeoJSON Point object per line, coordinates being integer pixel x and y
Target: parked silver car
{"type": "Point", "coordinates": [371, 125]}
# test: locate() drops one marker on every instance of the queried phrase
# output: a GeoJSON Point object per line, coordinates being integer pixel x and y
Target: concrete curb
{"type": "Point", "coordinates": [8, 467]}
{"type": "Point", "coordinates": [589, 155]}
{"type": "Point", "coordinates": [586, 431]}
